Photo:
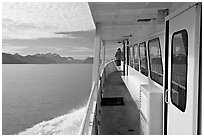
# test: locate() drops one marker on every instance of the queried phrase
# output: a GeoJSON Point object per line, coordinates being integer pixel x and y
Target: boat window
{"type": "Point", "coordinates": [143, 59]}
{"type": "Point", "coordinates": [128, 55]}
{"type": "Point", "coordinates": [131, 56]}
{"type": "Point", "coordinates": [155, 58]}
{"type": "Point", "coordinates": [136, 57]}
{"type": "Point", "coordinates": [179, 61]}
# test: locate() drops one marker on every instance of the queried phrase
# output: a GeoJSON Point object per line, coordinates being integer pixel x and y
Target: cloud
{"type": "Point", "coordinates": [11, 24]}
{"type": "Point", "coordinates": [27, 20]}
{"type": "Point", "coordinates": [81, 33]}
{"type": "Point", "coordinates": [12, 49]}
{"type": "Point", "coordinates": [81, 44]}
{"type": "Point", "coordinates": [18, 30]}
{"type": "Point", "coordinates": [81, 49]}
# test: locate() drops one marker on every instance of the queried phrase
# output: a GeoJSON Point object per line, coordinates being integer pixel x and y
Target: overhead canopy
{"type": "Point", "coordinates": [119, 20]}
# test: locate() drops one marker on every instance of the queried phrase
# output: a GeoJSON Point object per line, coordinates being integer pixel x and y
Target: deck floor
{"type": "Point", "coordinates": [121, 119]}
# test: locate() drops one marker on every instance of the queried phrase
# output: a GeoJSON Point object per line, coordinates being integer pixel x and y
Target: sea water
{"type": "Point", "coordinates": [44, 99]}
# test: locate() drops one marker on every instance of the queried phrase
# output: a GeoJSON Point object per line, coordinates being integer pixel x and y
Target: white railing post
{"type": "Point", "coordinates": [104, 51]}
{"type": "Point", "coordinates": [96, 62]}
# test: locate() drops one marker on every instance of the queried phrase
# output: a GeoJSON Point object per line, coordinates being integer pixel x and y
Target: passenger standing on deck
{"type": "Point", "coordinates": [118, 57]}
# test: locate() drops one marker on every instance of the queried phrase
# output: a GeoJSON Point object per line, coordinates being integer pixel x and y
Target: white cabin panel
{"type": "Point", "coordinates": [183, 121]}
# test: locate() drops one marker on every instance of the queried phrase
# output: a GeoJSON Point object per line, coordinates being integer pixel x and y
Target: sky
{"type": "Point", "coordinates": [63, 28]}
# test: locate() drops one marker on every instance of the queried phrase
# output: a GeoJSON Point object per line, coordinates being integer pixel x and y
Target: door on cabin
{"type": "Point", "coordinates": [181, 94]}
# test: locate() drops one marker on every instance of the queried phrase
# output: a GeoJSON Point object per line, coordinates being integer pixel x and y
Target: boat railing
{"type": "Point", "coordinates": [88, 122]}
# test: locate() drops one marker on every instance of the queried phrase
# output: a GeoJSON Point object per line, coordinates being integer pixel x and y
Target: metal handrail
{"type": "Point", "coordinates": [90, 104]}
{"type": "Point", "coordinates": [88, 110]}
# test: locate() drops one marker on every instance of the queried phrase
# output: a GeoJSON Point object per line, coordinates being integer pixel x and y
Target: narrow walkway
{"type": "Point", "coordinates": [118, 119]}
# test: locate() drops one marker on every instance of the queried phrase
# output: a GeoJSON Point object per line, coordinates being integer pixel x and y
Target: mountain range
{"type": "Point", "coordinates": [49, 58]}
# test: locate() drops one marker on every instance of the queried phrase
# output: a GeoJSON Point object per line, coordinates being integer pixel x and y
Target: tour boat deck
{"type": "Point", "coordinates": [118, 119]}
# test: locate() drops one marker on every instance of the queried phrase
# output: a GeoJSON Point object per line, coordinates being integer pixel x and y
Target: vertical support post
{"type": "Point", "coordinates": [165, 80]}
{"type": "Point", "coordinates": [104, 51]}
{"type": "Point", "coordinates": [128, 52]}
{"type": "Point", "coordinates": [96, 62]}
{"type": "Point", "coordinates": [124, 59]}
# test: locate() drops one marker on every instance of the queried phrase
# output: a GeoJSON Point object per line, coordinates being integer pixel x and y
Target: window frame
{"type": "Point", "coordinates": [136, 46]}
{"type": "Point", "coordinates": [148, 47]}
{"type": "Point", "coordinates": [172, 38]}
{"type": "Point", "coordinates": [146, 58]}
{"type": "Point", "coordinates": [131, 57]}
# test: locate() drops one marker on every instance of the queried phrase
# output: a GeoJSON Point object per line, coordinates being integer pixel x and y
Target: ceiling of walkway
{"type": "Point", "coordinates": [122, 19]}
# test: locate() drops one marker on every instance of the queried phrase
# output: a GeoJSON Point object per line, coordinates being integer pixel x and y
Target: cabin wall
{"type": "Point", "coordinates": [137, 74]}
{"type": "Point", "coordinates": [146, 92]}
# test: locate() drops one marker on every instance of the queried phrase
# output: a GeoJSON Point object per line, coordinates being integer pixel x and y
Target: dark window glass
{"type": "Point", "coordinates": [128, 55]}
{"type": "Point", "coordinates": [131, 56]}
{"type": "Point", "coordinates": [136, 57]}
{"type": "Point", "coordinates": [179, 61]}
{"type": "Point", "coordinates": [156, 69]}
{"type": "Point", "coordinates": [143, 59]}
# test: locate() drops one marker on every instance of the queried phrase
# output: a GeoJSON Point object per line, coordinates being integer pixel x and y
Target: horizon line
{"type": "Point", "coordinates": [45, 54]}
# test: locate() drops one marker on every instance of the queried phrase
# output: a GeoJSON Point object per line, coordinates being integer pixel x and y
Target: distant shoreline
{"type": "Point", "coordinates": [43, 64]}
{"type": "Point", "coordinates": [49, 58]}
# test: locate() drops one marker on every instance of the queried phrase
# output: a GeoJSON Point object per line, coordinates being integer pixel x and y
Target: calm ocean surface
{"type": "Point", "coordinates": [32, 94]}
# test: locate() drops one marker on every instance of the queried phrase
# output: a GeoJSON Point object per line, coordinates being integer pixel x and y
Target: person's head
{"type": "Point", "coordinates": [119, 49]}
